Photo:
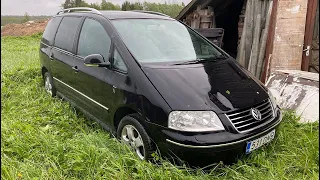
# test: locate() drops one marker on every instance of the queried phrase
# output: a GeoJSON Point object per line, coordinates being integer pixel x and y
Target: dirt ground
{"type": "Point", "coordinates": [25, 29]}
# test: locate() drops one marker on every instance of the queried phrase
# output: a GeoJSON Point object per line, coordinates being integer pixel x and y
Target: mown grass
{"type": "Point", "coordinates": [45, 138]}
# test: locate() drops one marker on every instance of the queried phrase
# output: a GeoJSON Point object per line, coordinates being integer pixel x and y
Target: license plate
{"type": "Point", "coordinates": [255, 144]}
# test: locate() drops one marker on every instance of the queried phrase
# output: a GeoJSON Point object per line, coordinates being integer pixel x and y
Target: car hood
{"type": "Point", "coordinates": [221, 86]}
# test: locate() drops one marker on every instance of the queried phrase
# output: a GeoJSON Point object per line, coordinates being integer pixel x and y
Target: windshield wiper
{"type": "Point", "coordinates": [190, 62]}
{"type": "Point", "coordinates": [220, 57]}
{"type": "Point", "coordinates": [199, 60]}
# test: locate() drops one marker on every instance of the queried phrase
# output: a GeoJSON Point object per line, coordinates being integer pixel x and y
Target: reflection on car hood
{"type": "Point", "coordinates": [220, 86]}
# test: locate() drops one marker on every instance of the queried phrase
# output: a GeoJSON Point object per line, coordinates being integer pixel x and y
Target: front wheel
{"type": "Point", "coordinates": [132, 133]}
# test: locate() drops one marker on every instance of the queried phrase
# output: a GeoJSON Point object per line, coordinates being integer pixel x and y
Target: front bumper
{"type": "Point", "coordinates": [210, 147]}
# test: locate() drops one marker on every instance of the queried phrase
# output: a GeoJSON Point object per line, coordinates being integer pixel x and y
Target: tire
{"type": "Point", "coordinates": [130, 123]}
{"type": "Point", "coordinates": [48, 84]}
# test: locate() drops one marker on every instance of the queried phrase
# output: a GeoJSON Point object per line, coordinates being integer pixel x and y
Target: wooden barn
{"type": "Point", "coordinates": [263, 35]}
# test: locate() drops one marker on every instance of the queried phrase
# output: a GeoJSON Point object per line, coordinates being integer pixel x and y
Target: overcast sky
{"type": "Point", "coordinates": [51, 7]}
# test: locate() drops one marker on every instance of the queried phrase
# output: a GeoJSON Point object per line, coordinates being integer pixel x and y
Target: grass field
{"type": "Point", "coordinates": [44, 138]}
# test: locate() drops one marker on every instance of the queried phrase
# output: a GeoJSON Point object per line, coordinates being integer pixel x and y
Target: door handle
{"type": "Point", "coordinates": [75, 68]}
{"type": "Point", "coordinates": [114, 88]}
{"type": "Point", "coordinates": [307, 50]}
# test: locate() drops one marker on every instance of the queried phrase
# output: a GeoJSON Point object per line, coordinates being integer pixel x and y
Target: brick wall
{"type": "Point", "coordinates": [289, 35]}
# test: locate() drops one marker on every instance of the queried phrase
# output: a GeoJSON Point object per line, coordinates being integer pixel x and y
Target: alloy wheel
{"type": "Point", "coordinates": [48, 85]}
{"type": "Point", "coordinates": [132, 137]}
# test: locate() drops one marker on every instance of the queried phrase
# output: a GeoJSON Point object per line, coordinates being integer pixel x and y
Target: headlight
{"type": "Point", "coordinates": [194, 121]}
{"type": "Point", "coordinates": [272, 99]}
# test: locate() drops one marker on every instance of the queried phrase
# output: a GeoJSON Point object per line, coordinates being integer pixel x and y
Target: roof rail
{"type": "Point", "coordinates": [79, 9]}
{"type": "Point", "coordinates": [151, 12]}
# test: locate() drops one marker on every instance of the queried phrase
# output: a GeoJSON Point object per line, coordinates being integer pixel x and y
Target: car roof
{"type": "Point", "coordinates": [131, 15]}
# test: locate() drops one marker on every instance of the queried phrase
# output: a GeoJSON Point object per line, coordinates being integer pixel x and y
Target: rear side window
{"type": "Point", "coordinates": [66, 33]}
{"type": "Point", "coordinates": [50, 31]}
{"type": "Point", "coordinates": [93, 39]}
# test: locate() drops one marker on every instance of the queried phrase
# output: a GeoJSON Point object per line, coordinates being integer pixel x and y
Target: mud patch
{"type": "Point", "coordinates": [25, 29]}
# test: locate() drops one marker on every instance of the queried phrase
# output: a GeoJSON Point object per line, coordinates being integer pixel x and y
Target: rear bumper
{"type": "Point", "coordinates": [195, 148]}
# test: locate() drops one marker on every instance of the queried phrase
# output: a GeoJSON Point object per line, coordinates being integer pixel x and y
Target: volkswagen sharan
{"type": "Point", "coordinates": [156, 84]}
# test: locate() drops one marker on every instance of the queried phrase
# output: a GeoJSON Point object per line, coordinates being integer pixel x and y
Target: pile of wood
{"type": "Point", "coordinates": [251, 50]}
{"type": "Point", "coordinates": [201, 18]}
{"type": "Point", "coordinates": [203, 21]}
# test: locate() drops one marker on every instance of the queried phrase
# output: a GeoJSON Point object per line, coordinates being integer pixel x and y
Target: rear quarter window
{"type": "Point", "coordinates": [66, 33]}
{"type": "Point", "coordinates": [50, 31]}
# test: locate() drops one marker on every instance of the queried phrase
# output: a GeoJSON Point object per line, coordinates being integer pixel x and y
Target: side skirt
{"type": "Point", "coordinates": [89, 115]}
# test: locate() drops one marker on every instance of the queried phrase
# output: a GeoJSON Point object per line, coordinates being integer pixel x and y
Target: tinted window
{"type": "Point", "coordinates": [66, 33]}
{"type": "Point", "coordinates": [93, 39]}
{"type": "Point", "coordinates": [118, 61]}
{"type": "Point", "coordinates": [48, 34]}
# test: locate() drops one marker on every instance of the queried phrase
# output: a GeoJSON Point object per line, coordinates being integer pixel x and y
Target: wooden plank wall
{"type": "Point", "coordinates": [254, 27]}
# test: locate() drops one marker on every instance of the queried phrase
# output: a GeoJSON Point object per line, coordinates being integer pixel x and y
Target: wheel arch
{"type": "Point", "coordinates": [43, 70]}
{"type": "Point", "coordinates": [123, 111]}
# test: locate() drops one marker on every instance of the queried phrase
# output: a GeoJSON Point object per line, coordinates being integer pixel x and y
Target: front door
{"type": "Point", "coordinates": [93, 83]}
{"type": "Point", "coordinates": [310, 57]}
{"type": "Point", "coordinates": [314, 56]}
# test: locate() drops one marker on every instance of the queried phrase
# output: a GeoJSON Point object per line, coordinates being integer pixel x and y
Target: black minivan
{"type": "Point", "coordinates": [155, 83]}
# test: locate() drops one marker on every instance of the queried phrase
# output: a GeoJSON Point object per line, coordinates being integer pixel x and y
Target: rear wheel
{"type": "Point", "coordinates": [48, 84]}
{"type": "Point", "coordinates": [132, 133]}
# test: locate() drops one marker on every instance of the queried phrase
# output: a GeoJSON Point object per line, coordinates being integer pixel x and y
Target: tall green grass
{"type": "Point", "coordinates": [45, 138]}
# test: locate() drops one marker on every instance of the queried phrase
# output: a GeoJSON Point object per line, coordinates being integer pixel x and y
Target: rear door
{"type": "Point", "coordinates": [47, 41]}
{"type": "Point", "coordinates": [63, 56]}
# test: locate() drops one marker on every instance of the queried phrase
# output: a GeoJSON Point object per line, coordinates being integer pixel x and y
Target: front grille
{"type": "Point", "coordinates": [243, 120]}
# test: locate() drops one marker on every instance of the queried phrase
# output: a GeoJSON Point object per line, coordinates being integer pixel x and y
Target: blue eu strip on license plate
{"type": "Point", "coordinates": [257, 143]}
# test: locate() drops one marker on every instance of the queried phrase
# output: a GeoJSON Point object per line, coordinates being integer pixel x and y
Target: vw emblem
{"type": "Point", "coordinates": [256, 114]}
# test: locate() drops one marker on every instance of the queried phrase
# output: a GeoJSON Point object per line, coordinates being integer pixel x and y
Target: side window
{"type": "Point", "coordinates": [66, 33]}
{"type": "Point", "coordinates": [118, 62]}
{"type": "Point", "coordinates": [93, 39]}
{"type": "Point", "coordinates": [50, 31]}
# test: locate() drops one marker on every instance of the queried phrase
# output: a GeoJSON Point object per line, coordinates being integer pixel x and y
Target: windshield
{"type": "Point", "coordinates": [157, 40]}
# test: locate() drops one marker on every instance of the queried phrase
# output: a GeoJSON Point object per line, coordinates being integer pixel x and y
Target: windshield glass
{"type": "Point", "coordinates": [157, 40]}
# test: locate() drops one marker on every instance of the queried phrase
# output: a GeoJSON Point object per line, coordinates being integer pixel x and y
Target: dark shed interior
{"type": "Point", "coordinates": [227, 14]}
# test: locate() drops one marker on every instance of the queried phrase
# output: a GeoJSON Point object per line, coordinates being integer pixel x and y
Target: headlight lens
{"type": "Point", "coordinates": [273, 100]}
{"type": "Point", "coordinates": [194, 121]}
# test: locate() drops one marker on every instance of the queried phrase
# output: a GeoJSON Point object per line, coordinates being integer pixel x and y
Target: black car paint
{"type": "Point", "coordinates": [153, 90]}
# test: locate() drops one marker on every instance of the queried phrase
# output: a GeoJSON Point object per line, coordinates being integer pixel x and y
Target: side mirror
{"type": "Point", "coordinates": [96, 60]}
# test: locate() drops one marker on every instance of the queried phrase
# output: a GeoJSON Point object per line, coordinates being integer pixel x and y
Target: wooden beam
{"type": "Point", "coordinates": [241, 50]}
{"type": "Point", "coordinates": [249, 33]}
{"type": "Point", "coordinates": [264, 41]}
{"type": "Point", "coordinates": [270, 39]}
{"type": "Point", "coordinates": [255, 45]}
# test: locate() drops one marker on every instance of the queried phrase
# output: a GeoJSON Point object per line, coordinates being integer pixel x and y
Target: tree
{"type": "Point", "coordinates": [78, 3]}
{"type": "Point", "coordinates": [26, 17]}
{"type": "Point", "coordinates": [109, 6]}
{"type": "Point", "coordinates": [126, 6]}
{"type": "Point", "coordinates": [67, 4]}
{"type": "Point", "coordinates": [74, 3]}
{"type": "Point", "coordinates": [172, 8]}
{"type": "Point", "coordinates": [95, 6]}
{"type": "Point", "coordinates": [137, 6]}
